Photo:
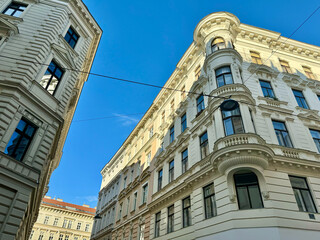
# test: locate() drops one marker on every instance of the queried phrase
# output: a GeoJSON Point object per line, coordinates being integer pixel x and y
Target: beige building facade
{"type": "Point", "coordinates": [234, 151]}
{"type": "Point", "coordinates": [43, 47]}
{"type": "Point", "coordinates": [60, 220]}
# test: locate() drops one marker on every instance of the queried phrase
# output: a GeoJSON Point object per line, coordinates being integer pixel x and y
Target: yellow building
{"type": "Point", "coordinates": [60, 220]}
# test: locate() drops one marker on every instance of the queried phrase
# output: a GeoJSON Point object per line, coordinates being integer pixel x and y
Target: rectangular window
{"type": "Point", "coordinates": [125, 182]}
{"type": "Point", "coordinates": [148, 158]}
{"type": "Point", "coordinates": [120, 211]}
{"type": "Point", "coordinates": [232, 122]}
{"type": "Point", "coordinates": [204, 147]}
{"type": "Point", "coordinates": [135, 196]}
{"type": "Point", "coordinates": [197, 72]}
{"type": "Point", "coordinates": [55, 222]}
{"type": "Point", "coordinates": [51, 236]}
{"type": "Point", "coordinates": [71, 37]}
{"type": "Point", "coordinates": [52, 78]}
{"type": "Point", "coordinates": [223, 76]}
{"type": "Point", "coordinates": [87, 227]}
{"type": "Point", "coordinates": [200, 104]}
{"type": "Point", "coordinates": [60, 237]}
{"type": "Point", "coordinates": [78, 226]}
{"type": "Point", "coordinates": [302, 194]}
{"type": "Point", "coordinates": [318, 97]}
{"type": "Point", "coordinates": [282, 133]}
{"type": "Point", "coordinates": [20, 140]}
{"type": "Point", "coordinates": [70, 224]}
{"type": "Point", "coordinates": [141, 232]}
{"type": "Point", "coordinates": [46, 220]}
{"type": "Point", "coordinates": [67, 237]}
{"type": "Point", "coordinates": [316, 138]}
{"type": "Point", "coordinates": [266, 89]}
{"type": "Point", "coordinates": [40, 236]}
{"type": "Point", "coordinates": [184, 157]}
{"type": "Point", "coordinates": [144, 193]}
{"type": "Point", "coordinates": [160, 179]}
{"type": "Point", "coordinates": [157, 225]}
{"type": "Point", "coordinates": [183, 122]}
{"type": "Point", "coordinates": [210, 206]}
{"type": "Point", "coordinates": [163, 117]}
{"type": "Point", "coordinates": [15, 9]}
{"type": "Point", "coordinates": [186, 208]}
{"type": "Point", "coordinates": [172, 106]}
{"type": "Point", "coordinates": [285, 66]}
{"type": "Point", "coordinates": [255, 57]}
{"type": "Point", "coordinates": [171, 134]}
{"type": "Point", "coordinates": [131, 175]}
{"type": "Point", "coordinates": [151, 132]}
{"type": "Point", "coordinates": [308, 72]}
{"type": "Point", "coordinates": [64, 223]}
{"type": "Point", "coordinates": [170, 219]}
{"type": "Point", "coordinates": [171, 171]}
{"type": "Point", "coordinates": [300, 99]}
{"type": "Point", "coordinates": [128, 204]}
{"type": "Point", "coordinates": [183, 93]}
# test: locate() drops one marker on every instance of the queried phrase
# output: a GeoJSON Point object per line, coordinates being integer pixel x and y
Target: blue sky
{"type": "Point", "coordinates": [143, 41]}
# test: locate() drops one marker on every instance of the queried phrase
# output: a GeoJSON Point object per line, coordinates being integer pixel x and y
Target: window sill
{"type": "Point", "coordinates": [8, 17]}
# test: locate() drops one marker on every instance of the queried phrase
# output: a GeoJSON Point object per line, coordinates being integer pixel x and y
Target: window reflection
{"type": "Point", "coordinates": [51, 78]}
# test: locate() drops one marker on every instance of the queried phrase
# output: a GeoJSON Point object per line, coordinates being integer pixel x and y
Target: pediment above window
{"type": "Point", "coordinates": [197, 87]}
{"type": "Point", "coordinates": [295, 81]}
{"type": "Point", "coordinates": [263, 71]}
{"type": "Point", "coordinates": [7, 27]}
{"type": "Point", "coordinates": [64, 55]}
{"type": "Point", "coordinates": [310, 115]}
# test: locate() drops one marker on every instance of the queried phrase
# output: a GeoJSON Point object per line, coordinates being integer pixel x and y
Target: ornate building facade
{"type": "Point", "coordinates": [60, 220]}
{"type": "Point", "coordinates": [233, 153]}
{"type": "Point", "coordinates": [46, 49]}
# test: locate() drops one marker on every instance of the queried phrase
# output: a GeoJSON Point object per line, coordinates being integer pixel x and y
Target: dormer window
{"type": "Point", "coordinates": [15, 9]}
{"type": "Point", "coordinates": [71, 37]}
{"type": "Point", "coordinates": [218, 43]}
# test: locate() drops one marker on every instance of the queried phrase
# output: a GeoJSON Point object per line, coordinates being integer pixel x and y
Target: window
{"type": "Point", "coordinates": [141, 232]}
{"type": "Point", "coordinates": [217, 43]}
{"type": "Point", "coordinates": [20, 140]}
{"type": "Point", "coordinates": [266, 89]}
{"type": "Point", "coordinates": [131, 175]}
{"type": "Point", "coordinates": [161, 145]}
{"type": "Point", "coordinates": [40, 236]}
{"type": "Point", "coordinates": [60, 237]}
{"type": "Point", "coordinates": [125, 182]}
{"type": "Point", "coordinates": [67, 237]}
{"type": "Point", "coordinates": [204, 147]}
{"type": "Point", "coordinates": [87, 227]}
{"type": "Point", "coordinates": [75, 238]}
{"type": "Point", "coordinates": [148, 158]}
{"type": "Point", "coordinates": [78, 226]}
{"type": "Point", "coordinates": [51, 236]}
{"type": "Point", "coordinates": [120, 211]}
{"type": "Point", "coordinates": [55, 222]}
{"type": "Point", "coordinates": [171, 134]}
{"type": "Point", "coordinates": [285, 66]}
{"type": "Point", "coordinates": [144, 193]}
{"type": "Point", "coordinates": [210, 206]}
{"type": "Point", "coordinates": [71, 37]}
{"type": "Point", "coordinates": [186, 208]}
{"type": "Point", "coordinates": [300, 99]}
{"type": "Point", "coordinates": [183, 93]}
{"type": "Point", "coordinates": [151, 132]}
{"type": "Point", "coordinates": [232, 122]}
{"type": "Point", "coordinates": [31, 235]}
{"type": "Point", "coordinates": [130, 234]}
{"type": "Point", "coordinates": [302, 194]}
{"type": "Point", "coordinates": [46, 220]}
{"type": "Point", "coordinates": [308, 72]}
{"type": "Point", "coordinates": [157, 225]}
{"type": "Point", "coordinates": [171, 171]}
{"type": "Point", "coordinates": [163, 116]}
{"type": "Point", "coordinates": [15, 9]}
{"type": "Point", "coordinates": [172, 106]}
{"type": "Point", "coordinates": [318, 97]}
{"type": "Point", "coordinates": [255, 57]}
{"type": "Point", "coordinates": [224, 76]}
{"type": "Point", "coordinates": [64, 223]}
{"type": "Point", "coordinates": [170, 219]}
{"type": "Point", "coordinates": [70, 224]}
{"type": "Point", "coordinates": [282, 134]}
{"type": "Point", "coordinates": [248, 191]}
{"type": "Point", "coordinates": [128, 204]}
{"type": "Point", "coordinates": [183, 122]}
{"type": "Point", "coordinates": [200, 104]}
{"type": "Point", "coordinates": [197, 72]}
{"type": "Point", "coordinates": [316, 138]}
{"type": "Point", "coordinates": [52, 78]}
{"type": "Point", "coordinates": [135, 196]}
{"type": "Point", "coordinates": [160, 179]}
{"type": "Point", "coordinates": [184, 157]}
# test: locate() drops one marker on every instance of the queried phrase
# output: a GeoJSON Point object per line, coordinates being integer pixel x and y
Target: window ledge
{"type": "Point", "coordinates": [12, 18]}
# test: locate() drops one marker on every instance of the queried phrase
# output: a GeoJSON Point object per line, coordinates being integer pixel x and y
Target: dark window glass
{"type": "Point", "coordinates": [232, 122]}
{"type": "Point", "coordinates": [71, 37]}
{"type": "Point", "coordinates": [316, 138]}
{"type": "Point", "coordinates": [52, 78]}
{"type": "Point", "coordinates": [204, 146]}
{"type": "Point", "coordinates": [184, 156]}
{"type": "Point", "coordinates": [210, 206]}
{"type": "Point", "coordinates": [266, 89]}
{"type": "Point", "coordinates": [144, 193]}
{"type": "Point", "coordinates": [170, 218]}
{"type": "Point", "coordinates": [302, 194]}
{"type": "Point", "coordinates": [224, 76]}
{"type": "Point", "coordinates": [20, 140]}
{"type": "Point", "coordinates": [157, 225]}
{"type": "Point", "coordinates": [248, 191]}
{"type": "Point", "coordinates": [186, 206]}
{"type": "Point", "coordinates": [15, 9]}
{"type": "Point", "coordinates": [171, 171]}
{"type": "Point", "coordinates": [160, 179]}
{"type": "Point", "coordinates": [200, 104]}
{"type": "Point", "coordinates": [183, 122]}
{"type": "Point", "coordinates": [171, 134]}
{"type": "Point", "coordinates": [319, 97]}
{"type": "Point", "coordinates": [300, 99]}
{"type": "Point", "coordinates": [282, 134]}
{"type": "Point", "coordinates": [217, 43]}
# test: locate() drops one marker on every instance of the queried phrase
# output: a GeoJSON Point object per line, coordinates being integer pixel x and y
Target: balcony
{"type": "Point", "coordinates": [226, 55]}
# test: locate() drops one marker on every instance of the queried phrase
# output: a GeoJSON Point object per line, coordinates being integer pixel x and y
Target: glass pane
{"type": "Point", "coordinates": [255, 197]}
{"type": "Point", "coordinates": [315, 134]}
{"type": "Point", "coordinates": [228, 127]}
{"type": "Point", "coordinates": [298, 182]}
{"type": "Point", "coordinates": [222, 70]}
{"type": "Point", "coordinates": [265, 84]}
{"type": "Point", "coordinates": [186, 202]}
{"type": "Point", "coordinates": [278, 125]}
{"type": "Point", "coordinates": [20, 150]}
{"type": "Point", "coordinates": [228, 79]}
{"type": "Point", "coordinates": [9, 11]}
{"type": "Point", "coordinates": [12, 144]}
{"type": "Point", "coordinates": [52, 66]}
{"type": "Point", "coordinates": [265, 92]}
{"type": "Point", "coordinates": [287, 139]}
{"type": "Point", "coordinates": [30, 130]}
{"type": "Point", "coordinates": [308, 201]}
{"type": "Point", "coordinates": [72, 43]}
{"type": "Point", "coordinates": [220, 81]}
{"type": "Point", "coordinates": [203, 137]}
{"type": "Point", "coordinates": [67, 37]}
{"type": "Point", "coordinates": [270, 93]}
{"type": "Point", "coordinates": [297, 93]}
{"type": "Point", "coordinates": [21, 125]}
{"type": "Point", "coordinates": [237, 123]}
{"type": "Point", "coordinates": [299, 200]}
{"type": "Point", "coordinates": [243, 198]}
{"type": "Point", "coordinates": [52, 86]}
{"type": "Point", "coordinates": [209, 190]}
{"type": "Point", "coordinates": [208, 208]}
{"type": "Point", "coordinates": [58, 73]}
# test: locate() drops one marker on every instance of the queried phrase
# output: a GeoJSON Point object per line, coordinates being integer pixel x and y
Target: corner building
{"type": "Point", "coordinates": [249, 173]}
{"type": "Point", "coordinates": [43, 47]}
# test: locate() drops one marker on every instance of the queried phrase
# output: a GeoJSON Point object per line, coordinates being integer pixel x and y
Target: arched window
{"type": "Point", "coordinates": [232, 122]}
{"type": "Point", "coordinates": [217, 43]}
{"type": "Point", "coordinates": [248, 191]}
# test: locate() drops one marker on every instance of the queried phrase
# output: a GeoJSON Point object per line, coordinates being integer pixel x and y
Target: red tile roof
{"type": "Point", "coordinates": [68, 206]}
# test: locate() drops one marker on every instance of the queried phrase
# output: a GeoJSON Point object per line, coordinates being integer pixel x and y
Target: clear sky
{"type": "Point", "coordinates": [143, 41]}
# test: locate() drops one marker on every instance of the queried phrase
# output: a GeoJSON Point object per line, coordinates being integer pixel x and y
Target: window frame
{"type": "Point", "coordinates": [186, 209]}
{"type": "Point", "coordinates": [170, 221]}
{"type": "Point", "coordinates": [200, 104]}
{"type": "Point", "coordinates": [52, 74]}
{"type": "Point", "coordinates": [301, 100]}
{"type": "Point", "coordinates": [15, 10]}
{"type": "Point", "coordinates": [74, 32]}
{"type": "Point", "coordinates": [157, 222]}
{"type": "Point", "coordinates": [281, 131]}
{"type": "Point", "coordinates": [315, 139]}
{"type": "Point", "coordinates": [223, 75]}
{"type": "Point", "coordinates": [285, 66]}
{"type": "Point", "coordinates": [171, 171]}
{"type": "Point", "coordinates": [215, 46]}
{"type": "Point", "coordinates": [204, 144]}
{"type": "Point", "coordinates": [160, 176]}
{"type": "Point", "coordinates": [184, 161]}
{"type": "Point", "coordinates": [233, 118]}
{"type": "Point", "coordinates": [183, 120]}
{"type": "Point", "coordinates": [256, 57]}
{"type": "Point", "coordinates": [308, 72]}
{"type": "Point", "coordinates": [268, 89]}
{"type": "Point", "coordinates": [171, 134]}
{"type": "Point", "coordinates": [213, 204]}
{"type": "Point", "coordinates": [144, 193]}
